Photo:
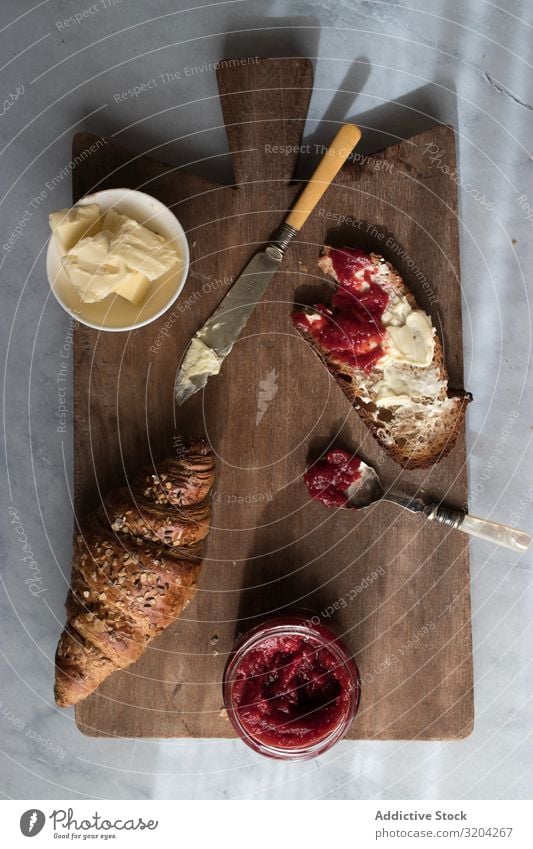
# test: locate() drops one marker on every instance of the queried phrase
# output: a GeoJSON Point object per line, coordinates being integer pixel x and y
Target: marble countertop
{"type": "Point", "coordinates": [401, 66]}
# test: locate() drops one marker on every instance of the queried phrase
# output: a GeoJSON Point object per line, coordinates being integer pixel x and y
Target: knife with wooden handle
{"type": "Point", "coordinates": [214, 341]}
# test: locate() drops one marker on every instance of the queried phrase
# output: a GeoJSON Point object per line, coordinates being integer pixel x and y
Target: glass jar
{"type": "Point", "coordinates": [291, 688]}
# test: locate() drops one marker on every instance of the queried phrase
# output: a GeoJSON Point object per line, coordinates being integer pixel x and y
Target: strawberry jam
{"type": "Point", "coordinates": [328, 479]}
{"type": "Point", "coordinates": [290, 688]}
{"type": "Point", "coordinates": [348, 263]}
{"type": "Point", "coordinates": [350, 329]}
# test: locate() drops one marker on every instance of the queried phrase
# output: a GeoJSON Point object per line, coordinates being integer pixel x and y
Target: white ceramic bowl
{"type": "Point", "coordinates": [115, 313]}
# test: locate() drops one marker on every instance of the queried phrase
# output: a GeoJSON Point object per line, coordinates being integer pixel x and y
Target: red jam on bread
{"type": "Point", "coordinates": [351, 328]}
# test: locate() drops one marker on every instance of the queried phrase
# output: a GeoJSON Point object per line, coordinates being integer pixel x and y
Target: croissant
{"type": "Point", "coordinates": [135, 567]}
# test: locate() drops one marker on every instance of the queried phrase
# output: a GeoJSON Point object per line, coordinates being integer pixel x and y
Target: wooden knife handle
{"type": "Point", "coordinates": [330, 165]}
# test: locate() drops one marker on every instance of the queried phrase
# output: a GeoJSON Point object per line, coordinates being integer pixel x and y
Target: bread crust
{"type": "Point", "coordinates": [421, 443]}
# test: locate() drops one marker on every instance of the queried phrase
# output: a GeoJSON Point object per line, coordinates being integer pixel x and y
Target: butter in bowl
{"type": "Point", "coordinates": [117, 260]}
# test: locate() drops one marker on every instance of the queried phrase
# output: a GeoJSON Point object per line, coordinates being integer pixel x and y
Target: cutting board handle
{"type": "Point", "coordinates": [328, 168]}
{"type": "Point", "coordinates": [265, 104]}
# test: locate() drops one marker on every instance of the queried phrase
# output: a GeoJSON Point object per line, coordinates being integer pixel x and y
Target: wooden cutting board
{"type": "Point", "coordinates": [396, 589]}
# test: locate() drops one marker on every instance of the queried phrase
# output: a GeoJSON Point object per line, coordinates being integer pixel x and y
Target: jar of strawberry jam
{"type": "Point", "coordinates": [291, 688]}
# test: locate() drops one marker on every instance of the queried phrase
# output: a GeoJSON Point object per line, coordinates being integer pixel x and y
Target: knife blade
{"type": "Point", "coordinates": [214, 341]}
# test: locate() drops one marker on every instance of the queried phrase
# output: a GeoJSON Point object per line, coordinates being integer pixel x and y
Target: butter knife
{"type": "Point", "coordinates": [214, 341]}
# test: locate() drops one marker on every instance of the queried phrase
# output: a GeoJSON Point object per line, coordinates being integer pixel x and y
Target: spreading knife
{"type": "Point", "coordinates": [214, 341]}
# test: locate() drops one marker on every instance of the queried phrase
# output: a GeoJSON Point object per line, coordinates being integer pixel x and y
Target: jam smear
{"type": "Point", "coordinates": [328, 479]}
{"type": "Point", "coordinates": [290, 691]}
{"type": "Point", "coordinates": [348, 262]}
{"type": "Point", "coordinates": [350, 328]}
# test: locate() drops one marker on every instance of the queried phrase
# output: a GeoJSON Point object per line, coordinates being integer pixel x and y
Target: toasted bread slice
{"type": "Point", "coordinates": [398, 384]}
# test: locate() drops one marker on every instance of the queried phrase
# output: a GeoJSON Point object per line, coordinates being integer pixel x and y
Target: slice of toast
{"type": "Point", "coordinates": [396, 379]}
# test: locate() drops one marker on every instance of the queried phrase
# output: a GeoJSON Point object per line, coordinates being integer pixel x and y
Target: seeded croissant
{"type": "Point", "coordinates": [135, 568]}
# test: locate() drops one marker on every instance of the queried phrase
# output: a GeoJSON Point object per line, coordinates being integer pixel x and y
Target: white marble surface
{"type": "Point", "coordinates": [465, 62]}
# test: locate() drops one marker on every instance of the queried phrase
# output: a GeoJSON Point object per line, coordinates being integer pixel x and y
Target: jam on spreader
{"type": "Point", "coordinates": [328, 480]}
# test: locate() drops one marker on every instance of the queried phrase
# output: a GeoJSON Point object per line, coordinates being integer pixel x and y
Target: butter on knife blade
{"type": "Point", "coordinates": [199, 363]}
{"type": "Point", "coordinates": [216, 338]}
